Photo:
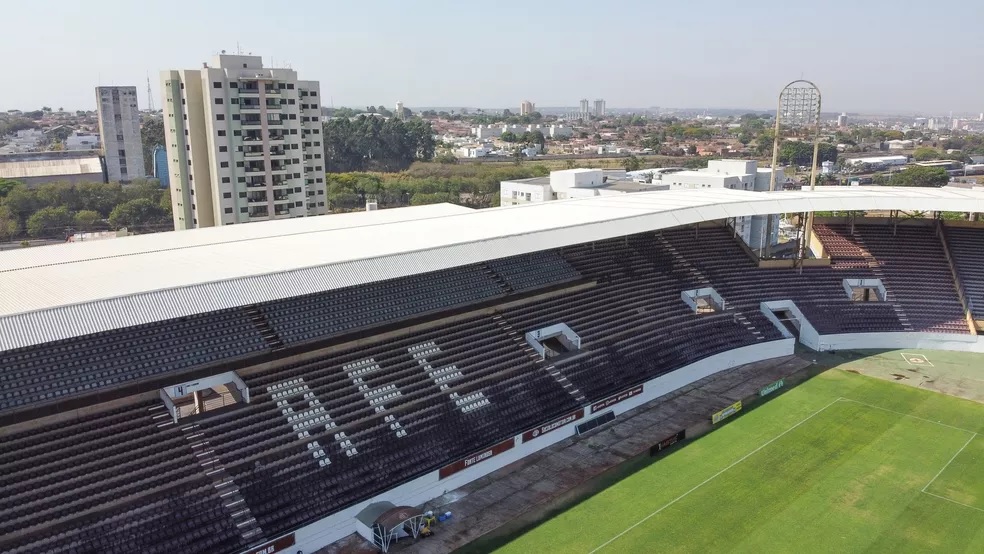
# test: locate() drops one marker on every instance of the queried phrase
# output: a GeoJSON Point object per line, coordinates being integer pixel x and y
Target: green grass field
{"type": "Point", "coordinates": [841, 463]}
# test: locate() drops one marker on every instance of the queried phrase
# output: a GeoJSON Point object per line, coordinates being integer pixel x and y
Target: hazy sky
{"type": "Point", "coordinates": [865, 55]}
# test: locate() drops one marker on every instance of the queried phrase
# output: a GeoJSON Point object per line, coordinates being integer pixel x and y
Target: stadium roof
{"type": "Point", "coordinates": [62, 291]}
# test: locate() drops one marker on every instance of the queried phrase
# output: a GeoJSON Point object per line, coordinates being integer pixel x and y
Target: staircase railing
{"type": "Point", "coordinates": [961, 293]}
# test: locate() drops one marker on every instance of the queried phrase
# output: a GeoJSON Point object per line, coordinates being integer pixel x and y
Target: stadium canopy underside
{"type": "Point", "coordinates": [70, 290]}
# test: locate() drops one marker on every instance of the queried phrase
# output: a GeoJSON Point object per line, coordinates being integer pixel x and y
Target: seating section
{"type": "Point", "coordinates": [325, 433]}
{"type": "Point", "coordinates": [321, 315]}
{"type": "Point", "coordinates": [112, 482]}
{"type": "Point", "coordinates": [967, 250]}
{"type": "Point", "coordinates": [533, 271]}
{"type": "Point", "coordinates": [65, 368]}
{"type": "Point", "coordinates": [912, 265]}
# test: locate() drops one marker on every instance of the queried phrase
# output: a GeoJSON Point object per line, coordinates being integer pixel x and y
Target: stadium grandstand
{"type": "Point", "coordinates": [282, 385]}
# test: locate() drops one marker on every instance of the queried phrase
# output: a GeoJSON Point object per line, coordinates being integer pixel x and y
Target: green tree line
{"type": "Point", "coordinates": [50, 210]}
{"type": "Point", "coordinates": [375, 144]}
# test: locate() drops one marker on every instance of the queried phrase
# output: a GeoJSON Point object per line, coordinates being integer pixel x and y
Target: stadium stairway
{"type": "Point", "coordinates": [256, 317]}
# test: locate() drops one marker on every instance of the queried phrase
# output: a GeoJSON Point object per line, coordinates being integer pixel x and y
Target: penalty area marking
{"type": "Point", "coordinates": [711, 478]}
{"type": "Point", "coordinates": [917, 359]}
{"type": "Point", "coordinates": [937, 476]}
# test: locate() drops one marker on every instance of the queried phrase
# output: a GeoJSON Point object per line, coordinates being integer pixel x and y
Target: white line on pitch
{"type": "Point", "coordinates": [711, 478]}
{"type": "Point", "coordinates": [910, 415]}
{"type": "Point", "coordinates": [948, 463]}
{"type": "Point", "coordinates": [954, 501]}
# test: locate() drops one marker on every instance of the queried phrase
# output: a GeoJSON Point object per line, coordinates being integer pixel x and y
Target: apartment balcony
{"type": "Point", "coordinates": [278, 154]}
{"type": "Point", "coordinates": [251, 92]}
{"type": "Point", "coordinates": [256, 199]}
{"type": "Point", "coordinates": [271, 107]}
{"type": "Point", "coordinates": [249, 108]}
{"type": "Point", "coordinates": [277, 139]}
{"type": "Point", "coordinates": [258, 212]}
{"type": "Point", "coordinates": [270, 91]}
{"type": "Point", "coordinates": [254, 169]}
{"type": "Point", "coordinates": [252, 124]}
{"type": "Point", "coordinates": [279, 170]}
{"type": "Point", "coordinates": [253, 137]}
{"type": "Point", "coordinates": [256, 185]}
{"type": "Point", "coordinates": [275, 123]}
{"type": "Point", "coordinates": [253, 153]}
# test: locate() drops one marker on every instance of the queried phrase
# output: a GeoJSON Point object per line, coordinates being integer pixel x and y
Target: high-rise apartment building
{"type": "Point", "coordinates": [526, 108]}
{"type": "Point", "coordinates": [244, 143]}
{"type": "Point", "coordinates": [585, 108]}
{"type": "Point", "coordinates": [599, 108]}
{"type": "Point", "coordinates": [842, 120]}
{"type": "Point", "coordinates": [119, 130]}
{"type": "Point", "coordinates": [398, 112]}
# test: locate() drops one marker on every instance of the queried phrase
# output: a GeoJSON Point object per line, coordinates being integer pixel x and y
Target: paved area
{"type": "Point", "coordinates": [521, 493]}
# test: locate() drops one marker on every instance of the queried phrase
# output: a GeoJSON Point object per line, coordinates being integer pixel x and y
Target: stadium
{"type": "Point", "coordinates": [286, 385]}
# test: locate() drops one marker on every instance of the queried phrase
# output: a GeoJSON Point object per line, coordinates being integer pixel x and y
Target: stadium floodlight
{"type": "Point", "coordinates": [798, 106]}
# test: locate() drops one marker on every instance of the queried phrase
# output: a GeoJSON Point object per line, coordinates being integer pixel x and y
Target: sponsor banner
{"type": "Point", "coordinates": [460, 465]}
{"type": "Point", "coordinates": [271, 547]}
{"type": "Point", "coordinates": [771, 388]}
{"type": "Point", "coordinates": [668, 442]}
{"type": "Point", "coordinates": [612, 400]}
{"type": "Point", "coordinates": [553, 425]}
{"type": "Point", "coordinates": [726, 413]}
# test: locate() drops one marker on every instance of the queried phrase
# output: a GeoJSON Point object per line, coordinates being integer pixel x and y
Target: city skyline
{"type": "Point", "coordinates": [666, 55]}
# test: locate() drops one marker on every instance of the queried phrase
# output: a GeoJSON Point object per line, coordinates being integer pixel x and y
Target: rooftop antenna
{"type": "Point", "coordinates": [150, 95]}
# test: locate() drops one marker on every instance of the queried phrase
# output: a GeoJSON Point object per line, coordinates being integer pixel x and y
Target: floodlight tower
{"type": "Point", "coordinates": [799, 105]}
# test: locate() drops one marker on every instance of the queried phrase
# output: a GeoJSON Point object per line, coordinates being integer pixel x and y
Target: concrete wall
{"type": "Point", "coordinates": [427, 487]}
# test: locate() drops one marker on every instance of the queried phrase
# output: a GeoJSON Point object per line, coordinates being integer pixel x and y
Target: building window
{"type": "Point", "coordinates": [242, 195]}
{"type": "Point", "coordinates": [219, 101]}
{"type": "Point", "coordinates": [321, 204]}
{"type": "Point", "coordinates": [297, 189]}
{"type": "Point", "coordinates": [298, 204]}
{"type": "Point", "coordinates": [313, 93]}
{"type": "Point", "coordinates": [228, 210]}
{"type": "Point", "coordinates": [237, 133]}
{"type": "Point", "coordinates": [234, 101]}
{"type": "Point", "coordinates": [317, 168]}
{"type": "Point", "coordinates": [226, 195]}
{"type": "Point", "coordinates": [223, 149]}
{"type": "Point", "coordinates": [297, 175]}
{"type": "Point", "coordinates": [217, 84]}
{"type": "Point", "coordinates": [121, 152]}
{"type": "Point", "coordinates": [319, 180]}
{"type": "Point", "coordinates": [119, 137]}
{"type": "Point", "coordinates": [293, 131]}
{"type": "Point", "coordinates": [290, 86]}
{"type": "Point", "coordinates": [226, 180]}
{"type": "Point", "coordinates": [240, 164]}
{"type": "Point", "coordinates": [233, 85]}
{"type": "Point", "coordinates": [235, 117]}
{"type": "Point", "coordinates": [241, 180]}
{"type": "Point", "coordinates": [243, 210]}
{"type": "Point", "coordinates": [220, 117]}
{"type": "Point", "coordinates": [291, 101]}
{"type": "Point", "coordinates": [221, 133]}
{"type": "Point", "coordinates": [293, 116]}
{"type": "Point", "coordinates": [317, 156]}
{"type": "Point", "coordinates": [182, 86]}
{"type": "Point", "coordinates": [321, 193]}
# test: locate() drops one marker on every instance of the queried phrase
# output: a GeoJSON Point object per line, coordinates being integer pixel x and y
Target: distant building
{"type": "Point", "coordinates": [888, 161]}
{"type": "Point", "coordinates": [38, 168]}
{"type": "Point", "coordinates": [119, 130]}
{"type": "Point", "coordinates": [484, 132]}
{"type": "Point", "coordinates": [25, 140]}
{"type": "Point", "coordinates": [599, 108]}
{"type": "Point", "coordinates": [160, 166]}
{"type": "Point", "coordinates": [398, 112]}
{"type": "Point", "coordinates": [842, 121]}
{"type": "Point", "coordinates": [526, 108]}
{"type": "Point", "coordinates": [82, 141]}
{"type": "Point", "coordinates": [244, 143]}
{"type": "Point", "coordinates": [585, 108]}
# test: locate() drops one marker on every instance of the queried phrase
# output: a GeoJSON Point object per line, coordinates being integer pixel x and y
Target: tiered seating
{"type": "Point", "coordinates": [113, 482]}
{"type": "Point", "coordinates": [967, 249]}
{"type": "Point", "coordinates": [84, 364]}
{"type": "Point", "coordinates": [285, 485]}
{"type": "Point", "coordinates": [916, 273]}
{"type": "Point", "coordinates": [533, 271]}
{"type": "Point", "coordinates": [321, 315]}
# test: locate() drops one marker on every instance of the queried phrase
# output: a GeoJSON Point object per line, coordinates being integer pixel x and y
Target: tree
{"type": "Point", "coordinates": [136, 213]}
{"type": "Point", "coordinates": [22, 202]}
{"type": "Point", "coordinates": [49, 222]}
{"type": "Point", "coordinates": [917, 176]}
{"type": "Point", "coordinates": [7, 185]}
{"type": "Point", "coordinates": [632, 163]}
{"type": "Point", "coordinates": [508, 136]}
{"type": "Point", "coordinates": [85, 220]}
{"type": "Point", "coordinates": [9, 224]}
{"type": "Point", "coordinates": [925, 154]}
{"type": "Point", "coordinates": [536, 137]}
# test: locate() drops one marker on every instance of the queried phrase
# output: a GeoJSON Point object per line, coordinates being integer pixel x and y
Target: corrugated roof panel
{"type": "Point", "coordinates": [124, 282]}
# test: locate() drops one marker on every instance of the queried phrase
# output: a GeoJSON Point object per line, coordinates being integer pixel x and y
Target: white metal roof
{"type": "Point", "coordinates": [70, 290]}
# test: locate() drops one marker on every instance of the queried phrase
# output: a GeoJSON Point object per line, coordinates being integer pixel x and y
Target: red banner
{"type": "Point", "coordinates": [460, 465]}
{"type": "Point", "coordinates": [553, 425]}
{"type": "Point", "coordinates": [612, 400]}
{"type": "Point", "coordinates": [271, 547]}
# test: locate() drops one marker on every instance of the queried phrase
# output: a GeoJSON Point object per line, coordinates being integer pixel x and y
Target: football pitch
{"type": "Point", "coordinates": [841, 463]}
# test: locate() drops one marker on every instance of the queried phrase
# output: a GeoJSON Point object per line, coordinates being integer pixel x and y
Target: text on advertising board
{"type": "Point", "coordinates": [553, 425]}
{"type": "Point", "coordinates": [771, 388]}
{"type": "Point", "coordinates": [271, 547]}
{"type": "Point", "coordinates": [726, 413]}
{"type": "Point", "coordinates": [460, 465]}
{"type": "Point", "coordinates": [612, 400]}
{"type": "Point", "coordinates": [668, 442]}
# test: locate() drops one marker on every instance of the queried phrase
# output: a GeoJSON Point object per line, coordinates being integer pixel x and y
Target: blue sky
{"type": "Point", "coordinates": [865, 55]}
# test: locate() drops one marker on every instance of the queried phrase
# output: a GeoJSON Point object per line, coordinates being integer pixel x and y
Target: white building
{"type": "Point", "coordinates": [878, 160]}
{"type": "Point", "coordinates": [25, 140]}
{"type": "Point", "coordinates": [119, 130]}
{"type": "Point", "coordinates": [474, 151]}
{"type": "Point", "coordinates": [83, 141]}
{"type": "Point", "coordinates": [245, 143]}
{"type": "Point", "coordinates": [900, 144]}
{"type": "Point", "coordinates": [585, 111]}
{"type": "Point", "coordinates": [398, 112]}
{"type": "Point", "coordinates": [485, 132]}
{"type": "Point", "coordinates": [842, 120]}
{"type": "Point", "coordinates": [526, 108]}
{"type": "Point", "coordinates": [599, 108]}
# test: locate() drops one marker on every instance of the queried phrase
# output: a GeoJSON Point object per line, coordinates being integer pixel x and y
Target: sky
{"type": "Point", "coordinates": [902, 56]}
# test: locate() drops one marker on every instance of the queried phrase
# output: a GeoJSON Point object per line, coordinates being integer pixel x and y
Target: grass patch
{"type": "Point", "coordinates": [810, 471]}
